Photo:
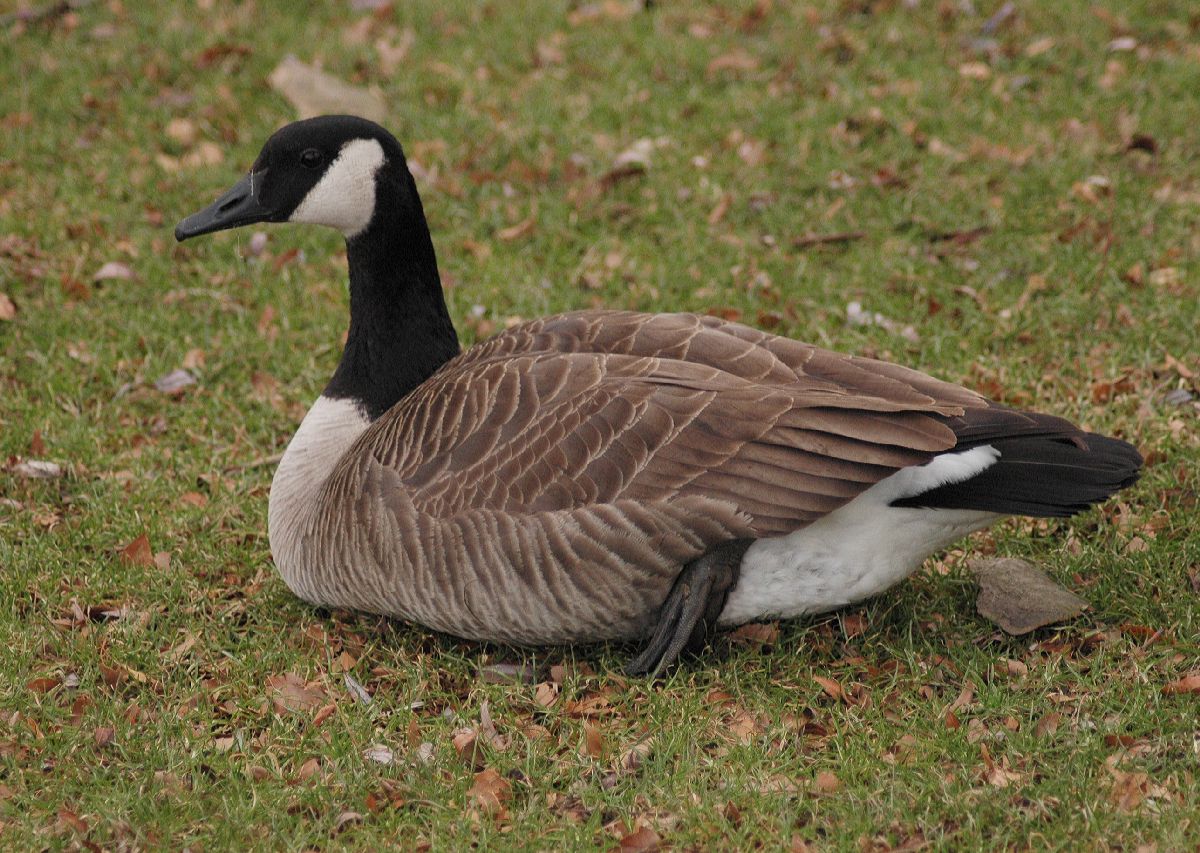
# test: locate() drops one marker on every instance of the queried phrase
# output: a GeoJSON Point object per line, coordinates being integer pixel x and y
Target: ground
{"type": "Point", "coordinates": [1005, 195]}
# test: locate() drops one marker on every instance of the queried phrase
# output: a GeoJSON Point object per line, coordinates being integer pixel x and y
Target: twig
{"type": "Point", "coordinates": [968, 235]}
{"type": "Point", "coordinates": [827, 239]}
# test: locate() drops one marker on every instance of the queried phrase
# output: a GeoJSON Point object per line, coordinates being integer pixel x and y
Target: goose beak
{"type": "Point", "coordinates": [238, 206]}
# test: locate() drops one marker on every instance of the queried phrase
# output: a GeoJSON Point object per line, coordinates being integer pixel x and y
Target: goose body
{"type": "Point", "coordinates": [610, 474]}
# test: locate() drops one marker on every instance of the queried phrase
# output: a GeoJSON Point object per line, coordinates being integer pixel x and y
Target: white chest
{"type": "Point", "coordinates": [324, 436]}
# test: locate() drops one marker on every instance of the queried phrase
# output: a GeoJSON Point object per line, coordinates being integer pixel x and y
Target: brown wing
{"type": "Point", "coordinates": [574, 411]}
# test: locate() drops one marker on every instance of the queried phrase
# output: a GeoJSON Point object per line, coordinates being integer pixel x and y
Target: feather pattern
{"type": "Point", "coordinates": [547, 485]}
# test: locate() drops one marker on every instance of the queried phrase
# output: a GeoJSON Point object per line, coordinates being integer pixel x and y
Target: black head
{"type": "Point", "coordinates": [321, 170]}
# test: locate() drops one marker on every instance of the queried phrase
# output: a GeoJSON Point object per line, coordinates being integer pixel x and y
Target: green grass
{"type": "Point", "coordinates": [160, 730]}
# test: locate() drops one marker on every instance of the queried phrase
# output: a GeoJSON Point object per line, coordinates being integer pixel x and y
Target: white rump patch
{"type": "Point", "coordinates": [344, 198]}
{"type": "Point", "coordinates": [860, 549]}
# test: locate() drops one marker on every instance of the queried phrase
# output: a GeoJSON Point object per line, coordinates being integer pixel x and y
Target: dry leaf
{"type": "Point", "coordinates": [174, 382]}
{"type": "Point", "coordinates": [291, 693]}
{"type": "Point", "coordinates": [546, 694]}
{"type": "Point", "coordinates": [827, 781]}
{"type": "Point", "coordinates": [593, 743]}
{"type": "Point", "coordinates": [8, 309]}
{"type": "Point", "coordinates": [642, 839]}
{"type": "Point", "coordinates": [757, 633]}
{"type": "Point", "coordinates": [736, 60]}
{"type": "Point", "coordinates": [313, 92]}
{"type": "Point", "coordinates": [113, 270]}
{"type": "Point", "coordinates": [1190, 683]}
{"type": "Point", "coordinates": [379, 754]}
{"type": "Point", "coordinates": [37, 469]}
{"type": "Point", "coordinates": [831, 687]}
{"type": "Point", "coordinates": [138, 552]}
{"type": "Point", "coordinates": [490, 791]}
{"type": "Point", "coordinates": [1020, 598]}
{"type": "Point", "coordinates": [521, 229]}
{"type": "Point", "coordinates": [356, 689]}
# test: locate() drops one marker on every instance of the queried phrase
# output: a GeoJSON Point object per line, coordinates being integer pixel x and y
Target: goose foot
{"type": "Point", "coordinates": [690, 611]}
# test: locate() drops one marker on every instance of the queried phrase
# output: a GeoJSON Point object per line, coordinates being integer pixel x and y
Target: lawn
{"type": "Point", "coordinates": [1011, 197]}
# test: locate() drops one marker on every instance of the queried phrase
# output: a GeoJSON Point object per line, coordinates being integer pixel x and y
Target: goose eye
{"type": "Point", "coordinates": [311, 158]}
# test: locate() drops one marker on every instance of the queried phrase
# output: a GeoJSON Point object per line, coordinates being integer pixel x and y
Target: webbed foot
{"type": "Point", "coordinates": [690, 612]}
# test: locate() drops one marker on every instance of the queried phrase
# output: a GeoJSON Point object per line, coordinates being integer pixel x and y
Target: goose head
{"type": "Point", "coordinates": [329, 170]}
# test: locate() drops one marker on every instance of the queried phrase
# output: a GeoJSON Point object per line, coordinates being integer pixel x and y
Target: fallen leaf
{"type": "Point", "coordinates": [1190, 683]}
{"type": "Point", "coordinates": [546, 694]}
{"type": "Point", "coordinates": [291, 693]}
{"type": "Point", "coordinates": [593, 743]}
{"type": "Point", "coordinates": [104, 736]}
{"type": "Point", "coordinates": [501, 673]}
{"type": "Point", "coordinates": [827, 781]}
{"type": "Point", "coordinates": [174, 382]}
{"type": "Point", "coordinates": [356, 689]}
{"type": "Point", "coordinates": [736, 60]}
{"type": "Point", "coordinates": [37, 469]}
{"type": "Point", "coordinates": [642, 839]}
{"type": "Point", "coordinates": [521, 229]}
{"type": "Point", "coordinates": [757, 633]}
{"type": "Point", "coordinates": [313, 92]}
{"type": "Point", "coordinates": [8, 309]}
{"type": "Point", "coordinates": [1019, 597]}
{"type": "Point", "coordinates": [379, 754]}
{"type": "Point", "coordinates": [489, 791]}
{"type": "Point", "coordinates": [113, 270]}
{"type": "Point", "coordinates": [831, 687]}
{"type": "Point", "coordinates": [1048, 725]}
{"type": "Point", "coordinates": [138, 552]}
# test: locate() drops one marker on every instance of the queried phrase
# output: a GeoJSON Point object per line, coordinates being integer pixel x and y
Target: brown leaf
{"type": "Point", "coordinates": [736, 61]}
{"type": "Point", "coordinates": [827, 781]}
{"type": "Point", "coordinates": [720, 209]}
{"type": "Point", "coordinates": [8, 309]}
{"type": "Point", "coordinates": [1048, 725]}
{"type": "Point", "coordinates": [104, 735]}
{"type": "Point", "coordinates": [1190, 683]}
{"type": "Point", "coordinates": [854, 624]}
{"type": "Point", "coordinates": [42, 685]}
{"type": "Point", "coordinates": [546, 694]}
{"type": "Point", "coordinates": [593, 743]}
{"type": "Point", "coordinates": [1019, 597]}
{"type": "Point", "coordinates": [831, 687]}
{"type": "Point", "coordinates": [521, 229]}
{"type": "Point", "coordinates": [313, 92]}
{"type": "Point", "coordinates": [642, 839]}
{"type": "Point", "coordinates": [466, 745]}
{"type": "Point", "coordinates": [138, 552]}
{"type": "Point", "coordinates": [490, 791]}
{"type": "Point", "coordinates": [291, 693]}
{"type": "Point", "coordinates": [756, 633]}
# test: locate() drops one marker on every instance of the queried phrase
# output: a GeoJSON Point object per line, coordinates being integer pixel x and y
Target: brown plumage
{"type": "Point", "coordinates": [561, 481]}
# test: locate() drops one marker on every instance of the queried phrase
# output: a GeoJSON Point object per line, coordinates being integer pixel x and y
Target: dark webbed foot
{"type": "Point", "coordinates": [689, 613]}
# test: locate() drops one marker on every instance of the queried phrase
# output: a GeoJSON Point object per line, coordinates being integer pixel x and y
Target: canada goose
{"type": "Point", "coordinates": [602, 475]}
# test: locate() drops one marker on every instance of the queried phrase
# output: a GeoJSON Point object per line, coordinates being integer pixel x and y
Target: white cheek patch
{"type": "Point", "coordinates": [344, 198]}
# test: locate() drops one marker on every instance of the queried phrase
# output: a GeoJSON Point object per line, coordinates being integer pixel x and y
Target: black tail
{"type": "Point", "coordinates": [1047, 476]}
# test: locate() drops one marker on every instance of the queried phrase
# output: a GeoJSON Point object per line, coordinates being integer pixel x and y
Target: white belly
{"type": "Point", "coordinates": [858, 550]}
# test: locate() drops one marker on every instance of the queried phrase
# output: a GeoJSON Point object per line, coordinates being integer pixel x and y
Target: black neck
{"type": "Point", "coordinates": [400, 330]}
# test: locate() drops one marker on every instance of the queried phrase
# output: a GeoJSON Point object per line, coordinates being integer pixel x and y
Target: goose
{"type": "Point", "coordinates": [606, 475]}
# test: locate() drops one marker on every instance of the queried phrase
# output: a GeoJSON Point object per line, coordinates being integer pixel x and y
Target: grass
{"type": "Point", "coordinates": [1068, 134]}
